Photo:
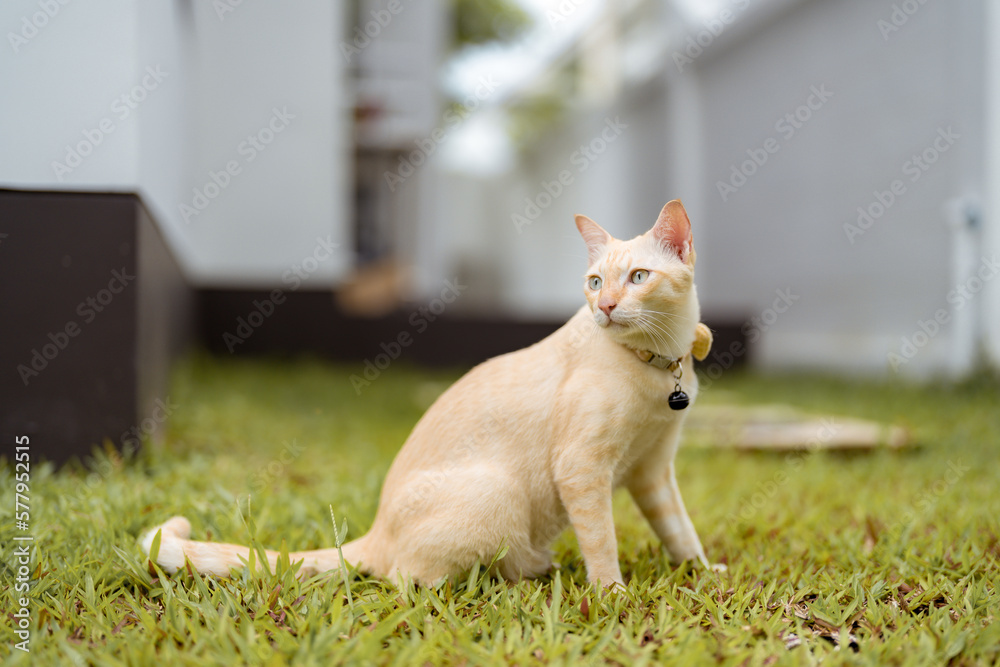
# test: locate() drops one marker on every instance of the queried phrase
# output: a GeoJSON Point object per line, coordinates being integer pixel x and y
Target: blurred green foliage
{"type": "Point", "coordinates": [482, 21]}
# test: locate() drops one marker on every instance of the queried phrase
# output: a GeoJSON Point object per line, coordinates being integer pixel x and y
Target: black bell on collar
{"type": "Point", "coordinates": [678, 400]}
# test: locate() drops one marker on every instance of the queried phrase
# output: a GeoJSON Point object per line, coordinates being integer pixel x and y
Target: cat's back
{"type": "Point", "coordinates": [530, 375]}
{"type": "Point", "coordinates": [513, 394]}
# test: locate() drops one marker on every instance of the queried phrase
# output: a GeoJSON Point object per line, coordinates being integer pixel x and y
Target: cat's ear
{"type": "Point", "coordinates": [594, 236]}
{"type": "Point", "coordinates": [673, 231]}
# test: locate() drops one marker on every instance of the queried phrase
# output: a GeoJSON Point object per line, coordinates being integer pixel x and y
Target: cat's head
{"type": "Point", "coordinates": [641, 292]}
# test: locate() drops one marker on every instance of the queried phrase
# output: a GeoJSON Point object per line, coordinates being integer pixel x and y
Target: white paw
{"type": "Point", "coordinates": [612, 587]}
{"type": "Point", "coordinates": [714, 567]}
{"type": "Point", "coordinates": [609, 582]}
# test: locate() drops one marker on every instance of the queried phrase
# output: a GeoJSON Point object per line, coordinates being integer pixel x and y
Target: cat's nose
{"type": "Point", "coordinates": [607, 306]}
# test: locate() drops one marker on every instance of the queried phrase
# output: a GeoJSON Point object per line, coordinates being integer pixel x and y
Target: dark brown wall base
{"type": "Point", "coordinates": [250, 323]}
{"type": "Point", "coordinates": [234, 322]}
{"type": "Point", "coordinates": [93, 310]}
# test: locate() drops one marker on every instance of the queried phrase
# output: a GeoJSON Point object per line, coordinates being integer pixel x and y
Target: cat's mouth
{"type": "Point", "coordinates": [612, 321]}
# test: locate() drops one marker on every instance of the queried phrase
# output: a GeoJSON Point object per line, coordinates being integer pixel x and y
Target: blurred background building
{"type": "Point", "coordinates": [836, 158]}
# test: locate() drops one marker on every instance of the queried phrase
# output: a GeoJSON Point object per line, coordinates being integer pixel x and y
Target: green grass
{"type": "Point", "coordinates": [890, 551]}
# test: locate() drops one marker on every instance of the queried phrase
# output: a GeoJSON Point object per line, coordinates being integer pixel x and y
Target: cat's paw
{"type": "Point", "coordinates": [615, 587]}
{"type": "Point", "coordinates": [612, 588]}
{"type": "Point", "coordinates": [608, 584]}
{"type": "Point", "coordinates": [713, 567]}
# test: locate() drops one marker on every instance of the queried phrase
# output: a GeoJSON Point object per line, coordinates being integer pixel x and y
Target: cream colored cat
{"type": "Point", "coordinates": [530, 441]}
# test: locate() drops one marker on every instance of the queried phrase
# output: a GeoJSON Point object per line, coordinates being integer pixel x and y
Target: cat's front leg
{"type": "Point", "coordinates": [586, 494]}
{"type": "Point", "coordinates": [657, 495]}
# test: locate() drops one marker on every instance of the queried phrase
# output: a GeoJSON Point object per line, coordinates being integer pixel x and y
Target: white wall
{"type": "Point", "coordinates": [63, 83]}
{"type": "Point", "coordinates": [545, 260]}
{"type": "Point", "coordinates": [991, 232]}
{"type": "Point", "coordinates": [784, 229]}
{"type": "Point", "coordinates": [217, 80]}
{"type": "Point", "coordinates": [165, 119]}
{"type": "Point", "coordinates": [251, 61]}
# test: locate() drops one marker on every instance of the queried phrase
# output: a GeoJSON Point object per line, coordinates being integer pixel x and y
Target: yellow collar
{"type": "Point", "coordinates": [699, 349]}
{"type": "Point", "coordinates": [658, 360]}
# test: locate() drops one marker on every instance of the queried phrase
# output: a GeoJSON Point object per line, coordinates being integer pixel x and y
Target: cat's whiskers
{"type": "Point", "coordinates": [658, 345]}
{"type": "Point", "coordinates": [661, 326]}
{"type": "Point", "coordinates": [659, 342]}
{"type": "Point", "coordinates": [660, 333]}
{"type": "Point", "coordinates": [647, 328]}
{"type": "Point", "coordinates": [669, 314]}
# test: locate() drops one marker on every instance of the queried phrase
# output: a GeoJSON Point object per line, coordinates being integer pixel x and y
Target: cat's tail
{"type": "Point", "coordinates": [220, 559]}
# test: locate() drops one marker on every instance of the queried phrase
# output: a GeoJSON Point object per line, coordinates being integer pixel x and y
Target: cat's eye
{"type": "Point", "coordinates": [639, 276]}
{"type": "Point", "coordinates": [594, 282]}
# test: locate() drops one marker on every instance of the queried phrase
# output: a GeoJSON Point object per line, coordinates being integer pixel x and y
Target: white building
{"type": "Point", "coordinates": [252, 130]}
{"type": "Point", "coordinates": [834, 158]}
{"type": "Point", "coordinates": [233, 120]}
